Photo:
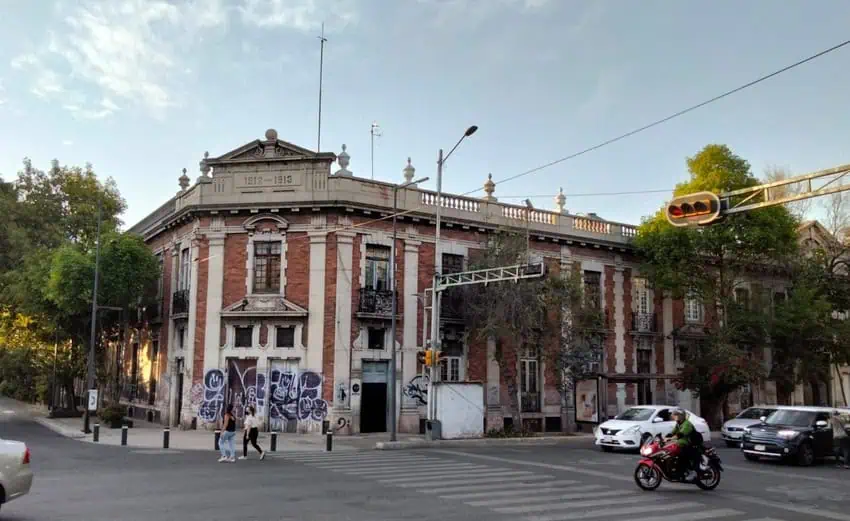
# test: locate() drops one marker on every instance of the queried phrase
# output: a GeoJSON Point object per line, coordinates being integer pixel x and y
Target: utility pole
{"type": "Point", "coordinates": [322, 39]}
{"type": "Point", "coordinates": [373, 132]}
{"type": "Point", "coordinates": [393, 356]}
{"type": "Point", "coordinates": [438, 268]}
{"type": "Point", "coordinates": [92, 338]}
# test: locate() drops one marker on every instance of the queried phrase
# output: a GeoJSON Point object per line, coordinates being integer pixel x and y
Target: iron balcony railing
{"type": "Point", "coordinates": [180, 302]}
{"type": "Point", "coordinates": [376, 301]}
{"type": "Point", "coordinates": [644, 322]}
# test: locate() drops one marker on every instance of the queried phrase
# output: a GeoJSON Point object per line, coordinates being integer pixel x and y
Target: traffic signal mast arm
{"type": "Point", "coordinates": [704, 208]}
{"type": "Point", "coordinates": [486, 276]}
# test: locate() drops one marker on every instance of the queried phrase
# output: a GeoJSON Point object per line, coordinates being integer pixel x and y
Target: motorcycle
{"type": "Point", "coordinates": [661, 461]}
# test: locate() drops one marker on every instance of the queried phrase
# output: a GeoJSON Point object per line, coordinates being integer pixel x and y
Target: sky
{"type": "Point", "coordinates": [142, 88]}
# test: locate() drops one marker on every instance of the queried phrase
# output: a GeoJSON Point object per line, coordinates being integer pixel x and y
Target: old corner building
{"type": "Point", "coordinates": [274, 292]}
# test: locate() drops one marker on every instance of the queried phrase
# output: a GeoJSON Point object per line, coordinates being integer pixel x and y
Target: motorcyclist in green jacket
{"type": "Point", "coordinates": [688, 439]}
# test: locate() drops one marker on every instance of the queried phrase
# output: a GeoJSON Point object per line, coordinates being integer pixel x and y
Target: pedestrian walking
{"type": "Point", "coordinates": [841, 439]}
{"type": "Point", "coordinates": [251, 433]}
{"type": "Point", "coordinates": [225, 443]}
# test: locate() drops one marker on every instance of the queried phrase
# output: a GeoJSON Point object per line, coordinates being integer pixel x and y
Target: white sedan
{"type": "Point", "coordinates": [15, 472]}
{"type": "Point", "coordinates": [636, 425]}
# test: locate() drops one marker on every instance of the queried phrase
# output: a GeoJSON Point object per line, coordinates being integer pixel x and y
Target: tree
{"type": "Point", "coordinates": [129, 271]}
{"type": "Point", "coordinates": [708, 264]}
{"type": "Point", "coordinates": [52, 216]}
{"type": "Point", "coordinates": [540, 318]}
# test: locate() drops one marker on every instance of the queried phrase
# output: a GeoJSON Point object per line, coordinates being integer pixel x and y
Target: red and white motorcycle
{"type": "Point", "coordinates": [662, 460]}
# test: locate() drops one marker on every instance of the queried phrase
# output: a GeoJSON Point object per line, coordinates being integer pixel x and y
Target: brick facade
{"type": "Point", "coordinates": [334, 367]}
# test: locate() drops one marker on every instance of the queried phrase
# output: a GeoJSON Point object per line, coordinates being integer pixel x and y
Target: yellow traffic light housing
{"type": "Point", "coordinates": [429, 357]}
{"type": "Point", "coordinates": [696, 209]}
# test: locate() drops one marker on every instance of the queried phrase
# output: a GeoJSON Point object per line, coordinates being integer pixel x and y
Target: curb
{"type": "Point", "coordinates": [478, 442]}
{"type": "Point", "coordinates": [68, 433]}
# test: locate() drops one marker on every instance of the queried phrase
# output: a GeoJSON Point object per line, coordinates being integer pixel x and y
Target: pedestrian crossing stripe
{"type": "Point", "coordinates": [510, 491]}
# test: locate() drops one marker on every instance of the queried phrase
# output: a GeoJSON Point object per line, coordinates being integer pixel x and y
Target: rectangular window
{"type": "Point", "coordinates": [450, 368]}
{"type": "Point", "coordinates": [593, 288]}
{"type": "Point", "coordinates": [285, 337]}
{"type": "Point", "coordinates": [644, 356]}
{"type": "Point", "coordinates": [742, 297]}
{"type": "Point", "coordinates": [185, 270]}
{"type": "Point", "coordinates": [452, 263]}
{"type": "Point", "coordinates": [181, 338]}
{"type": "Point", "coordinates": [693, 309]}
{"type": "Point", "coordinates": [267, 267]}
{"type": "Point", "coordinates": [529, 385]}
{"type": "Point", "coordinates": [377, 338]}
{"type": "Point", "coordinates": [154, 372]}
{"type": "Point", "coordinates": [244, 336]}
{"type": "Point", "coordinates": [641, 303]}
{"type": "Point", "coordinates": [377, 267]}
{"type": "Point", "coordinates": [159, 283]}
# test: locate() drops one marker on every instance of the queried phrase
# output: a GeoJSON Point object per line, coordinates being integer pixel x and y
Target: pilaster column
{"type": "Point", "coordinates": [669, 348]}
{"type": "Point", "coordinates": [409, 416]}
{"type": "Point", "coordinates": [316, 301]}
{"type": "Point", "coordinates": [495, 418]}
{"type": "Point", "coordinates": [342, 335]}
{"type": "Point", "coordinates": [189, 360]}
{"type": "Point", "coordinates": [215, 282]}
{"type": "Point", "coordinates": [619, 334]}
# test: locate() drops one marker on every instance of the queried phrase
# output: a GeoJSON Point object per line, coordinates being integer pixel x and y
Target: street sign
{"type": "Point", "coordinates": [93, 400]}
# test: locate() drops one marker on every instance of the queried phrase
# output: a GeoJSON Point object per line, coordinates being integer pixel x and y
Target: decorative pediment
{"type": "Point", "coordinates": [264, 305]}
{"type": "Point", "coordinates": [694, 331]}
{"type": "Point", "coordinates": [280, 223]}
{"type": "Point", "coordinates": [269, 149]}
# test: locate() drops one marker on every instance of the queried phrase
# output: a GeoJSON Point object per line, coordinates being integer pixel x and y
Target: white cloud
{"type": "Point", "coordinates": [67, 142]}
{"type": "Point", "coordinates": [302, 15]}
{"type": "Point", "coordinates": [124, 49]}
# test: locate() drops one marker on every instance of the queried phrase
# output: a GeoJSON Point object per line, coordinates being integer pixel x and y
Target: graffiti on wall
{"type": "Point", "coordinates": [212, 396]}
{"type": "Point", "coordinates": [295, 397]}
{"type": "Point", "coordinates": [417, 389]}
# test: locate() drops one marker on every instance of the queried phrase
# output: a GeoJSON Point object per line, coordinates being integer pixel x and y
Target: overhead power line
{"type": "Point", "coordinates": [670, 117]}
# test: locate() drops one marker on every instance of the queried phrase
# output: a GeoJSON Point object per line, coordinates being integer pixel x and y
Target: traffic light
{"type": "Point", "coordinates": [694, 209]}
{"type": "Point", "coordinates": [420, 357]}
{"type": "Point", "coordinates": [429, 357]}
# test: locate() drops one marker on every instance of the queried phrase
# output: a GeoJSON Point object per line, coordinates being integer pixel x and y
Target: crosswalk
{"type": "Point", "coordinates": [522, 494]}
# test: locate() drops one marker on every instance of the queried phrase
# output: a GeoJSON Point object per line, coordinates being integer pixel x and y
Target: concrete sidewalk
{"type": "Point", "coordinates": [150, 436]}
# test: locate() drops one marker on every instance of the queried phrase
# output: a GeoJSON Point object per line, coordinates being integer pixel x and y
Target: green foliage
{"type": "Point", "coordinates": [709, 262]}
{"type": "Point", "coordinates": [113, 414]}
{"type": "Point", "coordinates": [546, 317]}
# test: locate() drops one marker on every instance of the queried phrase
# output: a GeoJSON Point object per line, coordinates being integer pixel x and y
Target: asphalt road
{"type": "Point", "coordinates": [81, 481]}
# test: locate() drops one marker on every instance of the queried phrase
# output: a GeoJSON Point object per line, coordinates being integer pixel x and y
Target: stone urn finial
{"type": "Point", "coordinates": [184, 181]}
{"type": "Point", "coordinates": [489, 188]}
{"type": "Point", "coordinates": [344, 160]}
{"type": "Point", "coordinates": [409, 172]}
{"type": "Point", "coordinates": [561, 201]}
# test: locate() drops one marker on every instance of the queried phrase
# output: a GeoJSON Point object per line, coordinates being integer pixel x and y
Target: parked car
{"type": "Point", "coordinates": [733, 430]}
{"type": "Point", "coordinates": [802, 434]}
{"type": "Point", "coordinates": [636, 425]}
{"type": "Point", "coordinates": [15, 472]}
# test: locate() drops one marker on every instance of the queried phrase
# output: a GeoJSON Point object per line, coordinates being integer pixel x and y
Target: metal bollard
{"type": "Point", "coordinates": [96, 435]}
{"type": "Point", "coordinates": [124, 430]}
{"type": "Point", "coordinates": [330, 441]}
{"type": "Point", "coordinates": [274, 442]}
{"type": "Point", "coordinates": [217, 436]}
{"type": "Point", "coordinates": [166, 437]}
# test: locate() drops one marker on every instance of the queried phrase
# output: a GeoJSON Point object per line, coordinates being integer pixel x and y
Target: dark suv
{"type": "Point", "coordinates": [800, 433]}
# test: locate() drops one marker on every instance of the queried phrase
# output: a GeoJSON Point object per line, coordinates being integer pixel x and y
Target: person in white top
{"type": "Point", "coordinates": [252, 432]}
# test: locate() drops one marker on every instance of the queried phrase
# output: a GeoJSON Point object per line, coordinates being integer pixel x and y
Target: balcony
{"type": "Point", "coordinates": [376, 301]}
{"type": "Point", "coordinates": [645, 323]}
{"type": "Point", "coordinates": [180, 302]}
{"type": "Point", "coordinates": [451, 305]}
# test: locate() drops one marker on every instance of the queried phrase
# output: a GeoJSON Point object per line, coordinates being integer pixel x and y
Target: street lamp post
{"type": "Point", "coordinates": [438, 267]}
{"type": "Point", "coordinates": [393, 392]}
{"type": "Point", "coordinates": [90, 371]}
